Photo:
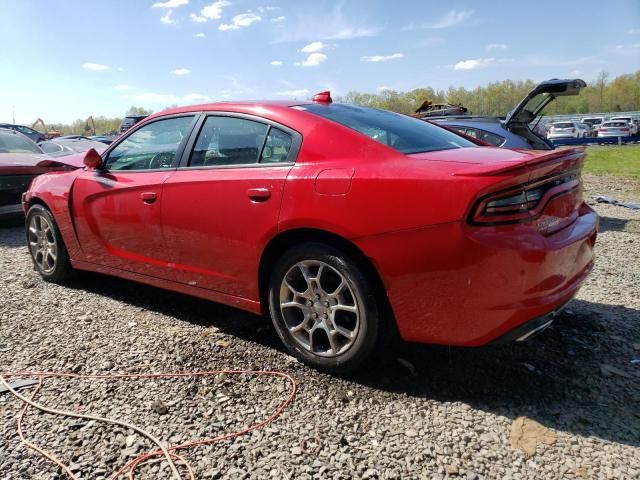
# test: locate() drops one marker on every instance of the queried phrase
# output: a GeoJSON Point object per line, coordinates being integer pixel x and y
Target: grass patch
{"type": "Point", "coordinates": [622, 161]}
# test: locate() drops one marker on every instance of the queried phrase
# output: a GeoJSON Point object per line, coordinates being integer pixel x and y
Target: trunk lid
{"type": "Point", "coordinates": [538, 98]}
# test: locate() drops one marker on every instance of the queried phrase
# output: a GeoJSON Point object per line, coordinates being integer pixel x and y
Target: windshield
{"type": "Point", "coordinates": [12, 143]}
{"type": "Point", "coordinates": [400, 132]}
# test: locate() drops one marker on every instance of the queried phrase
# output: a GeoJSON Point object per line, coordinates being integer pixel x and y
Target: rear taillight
{"type": "Point", "coordinates": [573, 130]}
{"type": "Point", "coordinates": [523, 203]}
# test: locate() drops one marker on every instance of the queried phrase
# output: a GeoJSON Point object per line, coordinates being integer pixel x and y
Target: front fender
{"type": "Point", "coordinates": [54, 190]}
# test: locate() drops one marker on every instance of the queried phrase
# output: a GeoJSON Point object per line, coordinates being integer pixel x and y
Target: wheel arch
{"type": "Point", "coordinates": [289, 238]}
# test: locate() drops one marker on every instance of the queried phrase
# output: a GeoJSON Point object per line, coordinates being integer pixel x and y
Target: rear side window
{"type": "Point", "coordinates": [228, 141]}
{"type": "Point", "coordinates": [400, 132]}
{"type": "Point", "coordinates": [277, 147]}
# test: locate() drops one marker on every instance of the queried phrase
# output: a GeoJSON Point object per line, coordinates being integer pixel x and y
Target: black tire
{"type": "Point", "coordinates": [361, 293]}
{"type": "Point", "coordinates": [60, 270]}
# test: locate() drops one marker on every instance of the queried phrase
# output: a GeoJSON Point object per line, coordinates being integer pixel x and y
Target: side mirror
{"type": "Point", "coordinates": [92, 159]}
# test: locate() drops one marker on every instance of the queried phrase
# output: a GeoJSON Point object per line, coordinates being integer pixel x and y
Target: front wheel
{"type": "Point", "coordinates": [47, 249]}
{"type": "Point", "coordinates": [323, 308]}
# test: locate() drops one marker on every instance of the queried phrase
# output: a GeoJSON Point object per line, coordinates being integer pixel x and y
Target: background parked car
{"type": "Point", "coordinates": [517, 129]}
{"type": "Point", "coordinates": [60, 147]}
{"type": "Point", "coordinates": [129, 121]}
{"type": "Point", "coordinates": [20, 161]}
{"type": "Point", "coordinates": [594, 123]}
{"type": "Point", "coordinates": [106, 139]}
{"type": "Point", "coordinates": [33, 135]}
{"type": "Point", "coordinates": [617, 128]}
{"type": "Point", "coordinates": [633, 128]}
{"type": "Point", "coordinates": [564, 129]}
{"type": "Point", "coordinates": [585, 129]}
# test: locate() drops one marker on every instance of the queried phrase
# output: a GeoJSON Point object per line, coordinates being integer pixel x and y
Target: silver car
{"type": "Point", "coordinates": [564, 129]}
{"type": "Point", "coordinates": [617, 128]}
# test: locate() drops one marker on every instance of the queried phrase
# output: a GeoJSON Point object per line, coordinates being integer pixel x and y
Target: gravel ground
{"type": "Point", "coordinates": [422, 412]}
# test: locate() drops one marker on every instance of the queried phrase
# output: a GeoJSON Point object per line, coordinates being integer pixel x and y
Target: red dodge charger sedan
{"type": "Point", "coordinates": [345, 224]}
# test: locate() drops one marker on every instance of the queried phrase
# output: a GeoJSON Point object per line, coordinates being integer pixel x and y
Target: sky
{"type": "Point", "coordinates": [68, 59]}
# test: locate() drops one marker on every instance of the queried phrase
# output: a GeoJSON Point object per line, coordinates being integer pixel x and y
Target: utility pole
{"type": "Point", "coordinates": [14, 114]}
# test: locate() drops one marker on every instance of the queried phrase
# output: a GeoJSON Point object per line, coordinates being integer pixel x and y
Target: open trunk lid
{"type": "Point", "coordinates": [538, 98]}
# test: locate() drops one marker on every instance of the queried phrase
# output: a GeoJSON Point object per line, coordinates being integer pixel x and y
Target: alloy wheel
{"type": "Point", "coordinates": [42, 243]}
{"type": "Point", "coordinates": [319, 308]}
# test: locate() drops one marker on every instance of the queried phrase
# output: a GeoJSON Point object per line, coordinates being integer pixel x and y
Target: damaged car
{"type": "Point", "coordinates": [518, 128]}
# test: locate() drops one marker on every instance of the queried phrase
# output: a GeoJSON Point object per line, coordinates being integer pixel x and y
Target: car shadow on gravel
{"type": "Point", "coordinates": [575, 377]}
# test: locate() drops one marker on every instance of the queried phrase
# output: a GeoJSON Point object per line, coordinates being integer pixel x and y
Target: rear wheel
{"type": "Point", "coordinates": [324, 308]}
{"type": "Point", "coordinates": [47, 249]}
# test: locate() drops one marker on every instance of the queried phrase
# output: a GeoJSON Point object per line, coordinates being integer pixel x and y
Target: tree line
{"type": "Point", "coordinates": [104, 125]}
{"type": "Point", "coordinates": [495, 99]}
{"type": "Point", "coordinates": [498, 98]}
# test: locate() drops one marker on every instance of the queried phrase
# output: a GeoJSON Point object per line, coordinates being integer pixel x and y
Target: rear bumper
{"type": "Point", "coordinates": [529, 329]}
{"type": "Point", "coordinates": [456, 285]}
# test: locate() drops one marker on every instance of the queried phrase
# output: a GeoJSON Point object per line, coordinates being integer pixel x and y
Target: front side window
{"type": "Point", "coordinates": [151, 147]}
{"type": "Point", "coordinates": [400, 132]}
{"type": "Point", "coordinates": [228, 141]}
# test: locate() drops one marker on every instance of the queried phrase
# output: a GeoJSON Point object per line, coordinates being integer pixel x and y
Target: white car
{"type": "Point", "coordinates": [594, 123]}
{"type": "Point", "coordinates": [565, 129]}
{"type": "Point", "coordinates": [585, 129]}
{"type": "Point", "coordinates": [633, 128]}
{"type": "Point", "coordinates": [614, 128]}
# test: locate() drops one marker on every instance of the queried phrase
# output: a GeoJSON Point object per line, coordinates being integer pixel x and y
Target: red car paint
{"type": "Point", "coordinates": [449, 277]}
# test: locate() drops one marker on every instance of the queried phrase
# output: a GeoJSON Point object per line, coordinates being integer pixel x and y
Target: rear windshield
{"type": "Point", "coordinates": [402, 133]}
{"type": "Point", "coordinates": [13, 143]}
{"type": "Point", "coordinates": [593, 121]}
{"type": "Point", "coordinates": [563, 125]}
{"type": "Point", "coordinates": [615, 124]}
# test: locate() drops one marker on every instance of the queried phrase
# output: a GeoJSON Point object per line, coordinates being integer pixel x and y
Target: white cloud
{"type": "Point", "coordinates": [196, 97]}
{"type": "Point", "coordinates": [325, 24]}
{"type": "Point", "coordinates": [242, 20]}
{"type": "Point", "coordinates": [381, 58]}
{"type": "Point", "coordinates": [301, 92]}
{"type": "Point", "coordinates": [475, 63]}
{"type": "Point", "coordinates": [348, 33]}
{"type": "Point", "coordinates": [200, 35]}
{"type": "Point", "coordinates": [313, 60]}
{"type": "Point", "coordinates": [313, 47]}
{"type": "Point", "coordinates": [450, 19]}
{"type": "Point", "coordinates": [497, 46]}
{"type": "Point", "coordinates": [575, 72]}
{"type": "Point", "coordinates": [383, 88]}
{"type": "Point", "coordinates": [170, 4]}
{"type": "Point", "coordinates": [95, 66]}
{"type": "Point", "coordinates": [181, 71]}
{"type": "Point", "coordinates": [268, 9]}
{"type": "Point", "coordinates": [166, 18]}
{"type": "Point", "coordinates": [279, 19]}
{"type": "Point", "coordinates": [197, 18]}
{"type": "Point", "coordinates": [276, 63]}
{"type": "Point", "coordinates": [633, 31]}
{"type": "Point", "coordinates": [123, 86]}
{"type": "Point", "coordinates": [213, 11]}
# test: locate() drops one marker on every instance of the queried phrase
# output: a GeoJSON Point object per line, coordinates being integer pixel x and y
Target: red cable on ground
{"type": "Point", "coordinates": [130, 467]}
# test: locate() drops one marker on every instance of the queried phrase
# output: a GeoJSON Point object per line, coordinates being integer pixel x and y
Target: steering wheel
{"type": "Point", "coordinates": [161, 160]}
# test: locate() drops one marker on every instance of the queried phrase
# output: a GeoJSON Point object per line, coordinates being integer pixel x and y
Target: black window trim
{"type": "Point", "coordinates": [179, 152]}
{"type": "Point", "coordinates": [296, 142]}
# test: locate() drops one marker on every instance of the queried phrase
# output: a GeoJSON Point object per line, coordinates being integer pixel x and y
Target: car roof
{"type": "Point", "coordinates": [235, 105]}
